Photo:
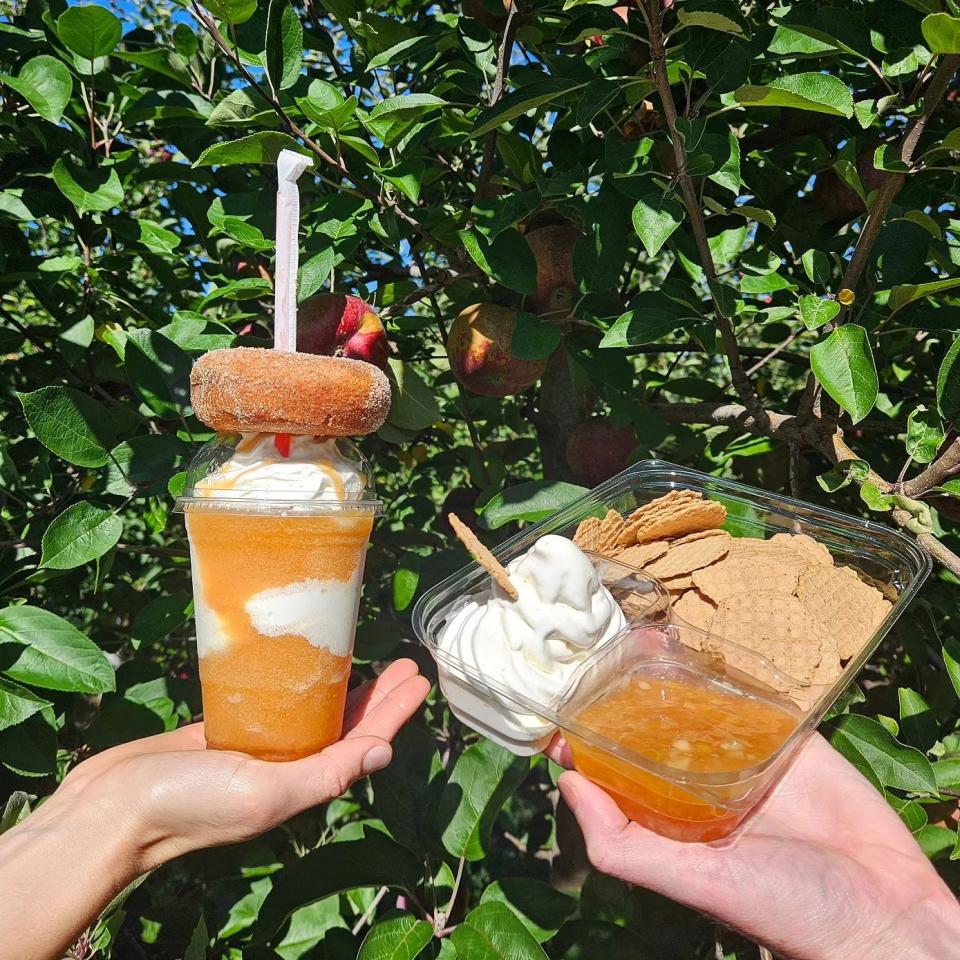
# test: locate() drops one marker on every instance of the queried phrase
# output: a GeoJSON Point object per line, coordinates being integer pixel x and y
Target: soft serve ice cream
{"type": "Point", "coordinates": [533, 645]}
{"type": "Point", "coordinates": [278, 546]}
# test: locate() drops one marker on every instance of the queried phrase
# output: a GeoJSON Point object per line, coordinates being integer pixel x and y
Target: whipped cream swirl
{"type": "Point", "coordinates": [535, 644]}
{"type": "Point", "coordinates": [316, 469]}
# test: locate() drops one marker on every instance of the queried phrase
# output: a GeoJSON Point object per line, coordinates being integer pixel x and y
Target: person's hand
{"type": "Point", "coordinates": [823, 869]}
{"type": "Point", "coordinates": [174, 796]}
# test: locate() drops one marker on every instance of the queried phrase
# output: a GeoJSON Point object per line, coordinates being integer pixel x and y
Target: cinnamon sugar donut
{"type": "Point", "coordinates": [256, 390]}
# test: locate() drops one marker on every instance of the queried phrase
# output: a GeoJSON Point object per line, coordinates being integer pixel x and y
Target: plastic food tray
{"type": "Point", "coordinates": [670, 800]}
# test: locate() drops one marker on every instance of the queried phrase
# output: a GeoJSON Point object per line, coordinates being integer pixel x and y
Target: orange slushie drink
{"type": "Point", "coordinates": [277, 546]}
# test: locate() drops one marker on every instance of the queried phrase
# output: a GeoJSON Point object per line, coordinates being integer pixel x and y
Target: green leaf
{"type": "Point", "coordinates": [373, 861]}
{"type": "Point", "coordinates": [871, 495]}
{"type": "Point", "coordinates": [80, 534]}
{"type": "Point", "coordinates": [951, 657]}
{"type": "Point", "coordinates": [655, 217]}
{"type": "Point", "coordinates": [407, 792]}
{"type": "Point", "coordinates": [394, 118]}
{"type": "Point", "coordinates": [17, 703]}
{"type": "Point", "coordinates": [405, 580]}
{"type": "Point", "coordinates": [709, 21]}
{"type": "Point", "coordinates": [239, 106]}
{"type": "Point", "coordinates": [925, 434]}
{"type": "Point", "coordinates": [533, 338]}
{"type": "Point", "coordinates": [160, 617]}
{"type": "Point", "coordinates": [141, 466]}
{"type": "Point", "coordinates": [398, 938]}
{"type": "Point", "coordinates": [540, 908]}
{"type": "Point", "coordinates": [157, 239]}
{"type": "Point", "coordinates": [89, 31]}
{"type": "Point", "coordinates": [873, 751]}
{"type": "Point", "coordinates": [726, 156]}
{"type": "Point", "coordinates": [948, 384]}
{"type": "Point", "coordinates": [261, 147]}
{"type": "Point", "coordinates": [908, 293]}
{"type": "Point", "coordinates": [887, 157]}
{"type": "Point", "coordinates": [531, 501]}
{"type": "Point", "coordinates": [816, 265]}
{"type": "Point", "coordinates": [843, 363]}
{"type": "Point", "coordinates": [815, 312]}
{"type": "Point", "coordinates": [509, 259]}
{"type": "Point", "coordinates": [71, 424]}
{"type": "Point", "coordinates": [652, 315]}
{"type": "Point", "coordinates": [493, 932]}
{"type": "Point", "coordinates": [284, 41]}
{"type": "Point", "coordinates": [419, 102]}
{"type": "Point", "coordinates": [158, 371]}
{"type": "Point", "coordinates": [232, 11]}
{"type": "Point", "coordinates": [309, 927]}
{"type": "Point", "coordinates": [941, 32]}
{"type": "Point", "coordinates": [521, 101]}
{"type": "Point", "coordinates": [916, 720]}
{"type": "Point", "coordinates": [45, 83]}
{"type": "Point", "coordinates": [837, 477]}
{"type": "Point", "coordinates": [88, 190]}
{"type": "Point", "coordinates": [332, 117]}
{"type": "Point", "coordinates": [483, 778]}
{"type": "Point", "coordinates": [414, 405]}
{"type": "Point", "coordinates": [315, 273]}
{"type": "Point", "coordinates": [56, 655]}
{"type": "Point", "coordinates": [199, 941]}
{"type": "Point", "coordinates": [818, 92]}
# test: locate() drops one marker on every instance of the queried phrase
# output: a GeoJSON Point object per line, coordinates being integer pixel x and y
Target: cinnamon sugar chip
{"type": "Point", "coordinates": [776, 626]}
{"type": "Point", "coordinates": [846, 608]}
{"type": "Point", "coordinates": [640, 554]}
{"type": "Point", "coordinates": [587, 533]}
{"type": "Point", "coordinates": [684, 558]}
{"type": "Point", "coordinates": [810, 549]}
{"type": "Point", "coordinates": [483, 556]}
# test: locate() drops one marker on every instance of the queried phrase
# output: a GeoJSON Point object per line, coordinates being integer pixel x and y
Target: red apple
{"type": "Point", "coordinates": [337, 324]}
{"type": "Point", "coordinates": [479, 350]}
{"type": "Point", "coordinates": [598, 449]}
{"type": "Point", "coordinates": [552, 248]}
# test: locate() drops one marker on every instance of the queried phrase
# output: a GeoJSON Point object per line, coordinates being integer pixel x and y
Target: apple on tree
{"type": "Point", "coordinates": [338, 324]}
{"type": "Point", "coordinates": [598, 449]}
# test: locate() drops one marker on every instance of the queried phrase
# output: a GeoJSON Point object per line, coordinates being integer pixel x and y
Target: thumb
{"type": "Point", "coordinates": [624, 849]}
{"type": "Point", "coordinates": [334, 770]}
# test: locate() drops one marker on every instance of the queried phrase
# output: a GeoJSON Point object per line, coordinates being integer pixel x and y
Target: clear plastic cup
{"type": "Point", "coordinates": [276, 583]}
{"type": "Point", "coordinates": [687, 801]}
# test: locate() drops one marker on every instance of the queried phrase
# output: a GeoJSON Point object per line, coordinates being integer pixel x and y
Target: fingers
{"type": "Point", "coordinates": [392, 710]}
{"type": "Point", "coordinates": [332, 772]}
{"type": "Point", "coordinates": [685, 872]}
{"type": "Point", "coordinates": [366, 697]}
{"type": "Point", "coordinates": [558, 751]}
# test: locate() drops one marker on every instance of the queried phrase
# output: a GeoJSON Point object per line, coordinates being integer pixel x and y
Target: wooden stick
{"type": "Point", "coordinates": [483, 556]}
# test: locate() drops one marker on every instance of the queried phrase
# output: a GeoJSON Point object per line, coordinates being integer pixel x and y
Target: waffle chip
{"type": "Point", "coordinates": [679, 584]}
{"type": "Point", "coordinates": [610, 527]}
{"type": "Point", "coordinates": [700, 535]}
{"type": "Point", "coordinates": [810, 549]}
{"type": "Point", "coordinates": [587, 533]}
{"type": "Point", "coordinates": [776, 626]}
{"type": "Point", "coordinates": [688, 517]}
{"type": "Point", "coordinates": [751, 561]}
{"type": "Point", "coordinates": [847, 608]}
{"type": "Point", "coordinates": [640, 554]}
{"type": "Point", "coordinates": [656, 508]}
{"type": "Point", "coordinates": [684, 558]}
{"type": "Point", "coordinates": [483, 556]}
{"type": "Point", "coordinates": [693, 609]}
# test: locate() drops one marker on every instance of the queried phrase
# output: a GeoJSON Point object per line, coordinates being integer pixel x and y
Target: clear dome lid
{"type": "Point", "coordinates": [254, 472]}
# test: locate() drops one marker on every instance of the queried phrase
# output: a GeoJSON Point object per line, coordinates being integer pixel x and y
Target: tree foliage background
{"type": "Point", "coordinates": [761, 279]}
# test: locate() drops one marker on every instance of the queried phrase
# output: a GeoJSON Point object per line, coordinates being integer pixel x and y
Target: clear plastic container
{"type": "Point", "coordinates": [670, 799]}
{"type": "Point", "coordinates": [522, 726]}
{"type": "Point", "coordinates": [277, 549]}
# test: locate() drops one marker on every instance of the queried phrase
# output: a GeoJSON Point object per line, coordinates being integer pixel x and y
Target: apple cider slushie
{"type": "Point", "coordinates": [277, 546]}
